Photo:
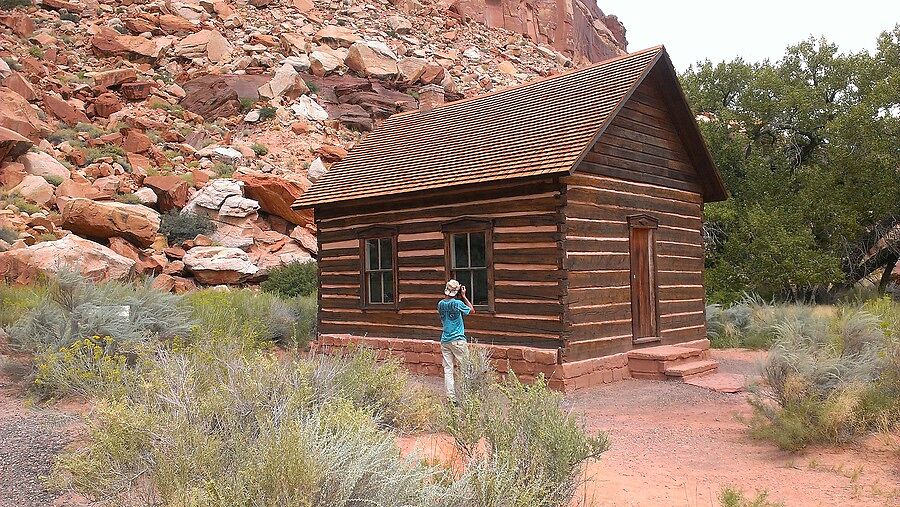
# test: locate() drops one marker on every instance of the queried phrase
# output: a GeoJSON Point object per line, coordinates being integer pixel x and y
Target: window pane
{"type": "Point", "coordinates": [387, 256]}
{"type": "Point", "coordinates": [464, 277]}
{"type": "Point", "coordinates": [479, 287]}
{"type": "Point", "coordinates": [460, 251]}
{"type": "Point", "coordinates": [375, 288]}
{"type": "Point", "coordinates": [388, 284]}
{"type": "Point", "coordinates": [372, 255]}
{"type": "Point", "coordinates": [477, 249]}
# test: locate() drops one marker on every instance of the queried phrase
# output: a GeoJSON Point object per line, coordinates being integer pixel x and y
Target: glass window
{"type": "Point", "coordinates": [469, 263]}
{"type": "Point", "coordinates": [379, 271]}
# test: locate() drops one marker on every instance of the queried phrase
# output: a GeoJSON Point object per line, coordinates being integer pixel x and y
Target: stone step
{"type": "Point", "coordinates": [665, 353]}
{"type": "Point", "coordinates": [691, 368]}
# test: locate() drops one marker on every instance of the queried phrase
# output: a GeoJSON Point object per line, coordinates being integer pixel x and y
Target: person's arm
{"type": "Point", "coordinates": [462, 294]}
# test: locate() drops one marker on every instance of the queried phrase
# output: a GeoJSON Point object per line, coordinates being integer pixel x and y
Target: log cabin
{"type": "Point", "coordinates": [570, 206]}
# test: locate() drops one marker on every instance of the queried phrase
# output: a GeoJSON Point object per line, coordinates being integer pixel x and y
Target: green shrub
{"type": "Point", "coordinates": [223, 169]}
{"type": "Point", "coordinates": [36, 51]}
{"type": "Point", "coordinates": [250, 320]}
{"type": "Point", "coordinates": [534, 450]}
{"type": "Point", "coordinates": [259, 149]}
{"type": "Point", "coordinates": [296, 279]}
{"type": "Point", "coordinates": [54, 180]}
{"type": "Point", "coordinates": [8, 235]}
{"type": "Point", "coordinates": [74, 308]}
{"type": "Point", "coordinates": [247, 104]}
{"type": "Point", "coordinates": [62, 135]}
{"type": "Point", "coordinates": [267, 113]}
{"type": "Point", "coordinates": [12, 4]}
{"type": "Point", "coordinates": [15, 199]}
{"type": "Point", "coordinates": [732, 497]}
{"type": "Point", "coordinates": [215, 428]}
{"type": "Point", "coordinates": [182, 226]}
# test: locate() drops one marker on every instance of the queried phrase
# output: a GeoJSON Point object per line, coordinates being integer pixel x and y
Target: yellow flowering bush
{"type": "Point", "coordinates": [82, 368]}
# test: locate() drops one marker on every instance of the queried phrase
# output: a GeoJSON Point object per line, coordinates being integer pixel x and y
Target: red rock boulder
{"type": "Point", "coordinates": [275, 194]}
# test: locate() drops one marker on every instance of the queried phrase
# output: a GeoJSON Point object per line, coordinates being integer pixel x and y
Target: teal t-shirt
{"type": "Point", "coordinates": [452, 311]}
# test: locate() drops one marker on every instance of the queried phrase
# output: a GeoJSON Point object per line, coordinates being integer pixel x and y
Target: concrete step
{"type": "Point", "coordinates": [690, 369]}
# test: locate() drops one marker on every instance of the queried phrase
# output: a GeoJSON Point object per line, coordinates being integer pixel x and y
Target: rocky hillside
{"type": "Point", "coordinates": [170, 137]}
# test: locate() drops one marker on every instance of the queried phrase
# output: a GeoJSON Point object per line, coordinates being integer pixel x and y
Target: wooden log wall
{"type": "Point", "coordinates": [526, 253]}
{"type": "Point", "coordinates": [639, 166]}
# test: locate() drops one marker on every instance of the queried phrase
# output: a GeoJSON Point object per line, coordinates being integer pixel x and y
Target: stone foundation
{"type": "Point", "coordinates": [423, 357]}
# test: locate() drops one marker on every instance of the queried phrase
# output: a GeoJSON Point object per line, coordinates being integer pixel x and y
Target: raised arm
{"type": "Point", "coordinates": [462, 293]}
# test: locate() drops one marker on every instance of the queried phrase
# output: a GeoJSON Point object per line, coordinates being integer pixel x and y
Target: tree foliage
{"type": "Point", "coordinates": [808, 147]}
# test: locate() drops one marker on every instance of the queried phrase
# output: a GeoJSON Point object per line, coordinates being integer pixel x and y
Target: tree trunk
{"type": "Point", "coordinates": [886, 275]}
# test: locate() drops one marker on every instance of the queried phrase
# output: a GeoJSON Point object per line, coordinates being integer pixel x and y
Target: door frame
{"type": "Point", "coordinates": [650, 224]}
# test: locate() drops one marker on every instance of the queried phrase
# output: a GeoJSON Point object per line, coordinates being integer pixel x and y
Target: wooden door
{"type": "Point", "coordinates": [642, 249]}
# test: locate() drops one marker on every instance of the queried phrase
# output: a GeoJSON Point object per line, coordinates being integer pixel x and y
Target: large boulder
{"type": "Point", "coordinates": [372, 59]}
{"type": "Point", "coordinates": [275, 194]}
{"type": "Point", "coordinates": [95, 261]}
{"type": "Point", "coordinates": [211, 97]}
{"type": "Point", "coordinates": [35, 189]}
{"type": "Point", "coordinates": [215, 265]}
{"type": "Point", "coordinates": [108, 42]}
{"type": "Point", "coordinates": [336, 36]}
{"type": "Point", "coordinates": [286, 82]}
{"type": "Point", "coordinates": [12, 145]}
{"type": "Point", "coordinates": [235, 217]}
{"type": "Point", "coordinates": [171, 191]}
{"type": "Point", "coordinates": [65, 111]}
{"type": "Point", "coordinates": [272, 250]}
{"type": "Point", "coordinates": [105, 219]}
{"type": "Point", "coordinates": [17, 115]}
{"type": "Point", "coordinates": [44, 165]}
{"type": "Point", "coordinates": [205, 43]}
{"type": "Point", "coordinates": [213, 195]}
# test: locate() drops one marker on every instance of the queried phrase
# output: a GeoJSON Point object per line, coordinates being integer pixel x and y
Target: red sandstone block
{"type": "Point", "coordinates": [515, 353]}
{"type": "Point", "coordinates": [647, 365]}
{"type": "Point", "coordinates": [619, 374]}
{"type": "Point", "coordinates": [498, 352]}
{"type": "Point", "coordinates": [501, 365]}
{"type": "Point", "coordinates": [591, 379]}
{"type": "Point", "coordinates": [648, 376]}
{"type": "Point", "coordinates": [702, 344]}
{"type": "Point", "coordinates": [433, 369]}
{"type": "Point", "coordinates": [542, 356]}
{"type": "Point", "coordinates": [547, 369]}
{"type": "Point", "coordinates": [522, 367]}
{"type": "Point", "coordinates": [607, 376]}
{"type": "Point", "coordinates": [557, 384]}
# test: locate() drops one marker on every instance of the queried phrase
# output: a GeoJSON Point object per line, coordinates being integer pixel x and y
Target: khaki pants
{"type": "Point", "coordinates": [454, 354]}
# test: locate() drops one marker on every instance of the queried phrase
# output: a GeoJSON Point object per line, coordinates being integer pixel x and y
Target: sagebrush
{"type": "Point", "coordinates": [831, 378]}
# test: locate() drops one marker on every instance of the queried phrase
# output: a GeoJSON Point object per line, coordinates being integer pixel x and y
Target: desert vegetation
{"type": "Point", "coordinates": [212, 398]}
{"type": "Point", "coordinates": [832, 372]}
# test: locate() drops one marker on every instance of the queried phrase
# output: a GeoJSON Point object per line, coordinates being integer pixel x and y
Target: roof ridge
{"type": "Point", "coordinates": [657, 48]}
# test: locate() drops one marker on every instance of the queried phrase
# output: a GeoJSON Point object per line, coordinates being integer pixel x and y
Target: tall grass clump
{"type": "Point", "coordinates": [522, 448]}
{"type": "Point", "coordinates": [249, 320]}
{"type": "Point", "coordinates": [17, 300]}
{"type": "Point", "coordinates": [292, 280]}
{"type": "Point", "coordinates": [830, 379]}
{"type": "Point", "coordinates": [752, 322]}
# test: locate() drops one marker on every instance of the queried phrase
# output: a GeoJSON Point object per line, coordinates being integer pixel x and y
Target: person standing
{"type": "Point", "coordinates": [454, 348]}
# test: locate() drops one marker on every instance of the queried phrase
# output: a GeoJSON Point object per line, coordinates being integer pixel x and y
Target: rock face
{"type": "Point", "coordinates": [91, 259]}
{"type": "Point", "coordinates": [44, 165]}
{"type": "Point", "coordinates": [12, 145]}
{"type": "Point", "coordinates": [105, 219]}
{"type": "Point", "coordinates": [215, 265]}
{"type": "Point", "coordinates": [171, 191]}
{"type": "Point", "coordinates": [577, 28]}
{"type": "Point", "coordinates": [17, 115]}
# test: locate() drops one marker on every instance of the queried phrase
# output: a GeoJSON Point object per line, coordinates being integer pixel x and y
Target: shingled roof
{"type": "Point", "coordinates": [539, 128]}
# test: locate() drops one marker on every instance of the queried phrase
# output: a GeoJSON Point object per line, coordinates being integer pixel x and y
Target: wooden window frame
{"type": "Point", "coordinates": [470, 225]}
{"type": "Point", "coordinates": [650, 223]}
{"type": "Point", "coordinates": [370, 233]}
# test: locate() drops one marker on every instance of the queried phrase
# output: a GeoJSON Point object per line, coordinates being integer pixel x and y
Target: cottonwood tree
{"type": "Point", "coordinates": [809, 147]}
